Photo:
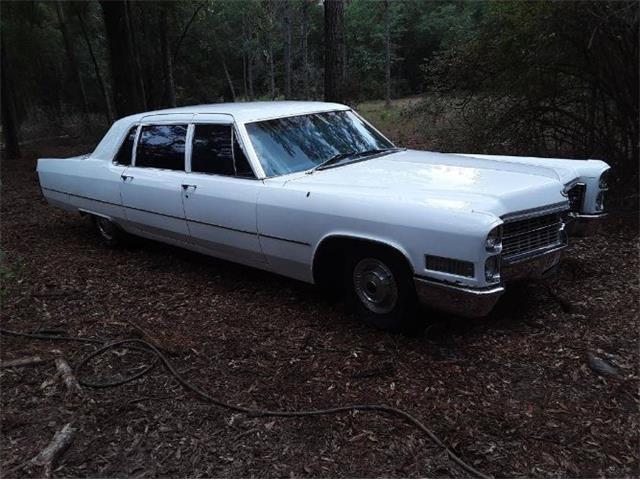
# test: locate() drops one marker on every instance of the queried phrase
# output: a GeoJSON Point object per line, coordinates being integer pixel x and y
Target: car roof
{"type": "Point", "coordinates": [242, 112]}
{"type": "Point", "coordinates": [249, 111]}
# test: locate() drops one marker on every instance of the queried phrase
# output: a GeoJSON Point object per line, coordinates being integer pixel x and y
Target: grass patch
{"type": "Point", "coordinates": [397, 121]}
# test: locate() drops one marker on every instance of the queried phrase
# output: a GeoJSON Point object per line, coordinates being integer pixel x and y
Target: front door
{"type": "Point", "coordinates": [220, 195]}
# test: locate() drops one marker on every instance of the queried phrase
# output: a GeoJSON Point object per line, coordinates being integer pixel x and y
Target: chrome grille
{"type": "Point", "coordinates": [520, 237]}
{"type": "Point", "coordinates": [576, 196]}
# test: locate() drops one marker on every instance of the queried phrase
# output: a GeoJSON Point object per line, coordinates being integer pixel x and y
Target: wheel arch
{"type": "Point", "coordinates": [330, 250]}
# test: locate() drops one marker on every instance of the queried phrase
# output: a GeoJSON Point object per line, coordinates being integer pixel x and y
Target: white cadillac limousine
{"type": "Point", "coordinates": [312, 191]}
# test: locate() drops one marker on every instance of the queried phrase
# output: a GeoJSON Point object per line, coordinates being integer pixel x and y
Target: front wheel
{"type": "Point", "coordinates": [380, 288]}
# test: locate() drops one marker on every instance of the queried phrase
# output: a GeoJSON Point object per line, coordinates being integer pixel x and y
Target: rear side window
{"type": "Point", "coordinates": [123, 157]}
{"type": "Point", "coordinates": [216, 150]}
{"type": "Point", "coordinates": [162, 146]}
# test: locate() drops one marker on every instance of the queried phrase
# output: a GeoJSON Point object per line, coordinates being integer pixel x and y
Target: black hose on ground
{"type": "Point", "coordinates": [142, 345]}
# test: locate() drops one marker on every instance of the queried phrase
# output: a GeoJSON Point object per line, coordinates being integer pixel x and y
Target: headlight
{"type": "Point", "coordinates": [494, 239]}
{"type": "Point", "coordinates": [603, 183]}
{"type": "Point", "coordinates": [492, 269]}
{"type": "Point", "coordinates": [600, 201]}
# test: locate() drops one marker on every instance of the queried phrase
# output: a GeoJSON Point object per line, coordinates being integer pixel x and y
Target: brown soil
{"type": "Point", "coordinates": [512, 394]}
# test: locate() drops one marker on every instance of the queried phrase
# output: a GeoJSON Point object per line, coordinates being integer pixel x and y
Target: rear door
{"type": "Point", "coordinates": [151, 188]}
{"type": "Point", "coordinates": [221, 192]}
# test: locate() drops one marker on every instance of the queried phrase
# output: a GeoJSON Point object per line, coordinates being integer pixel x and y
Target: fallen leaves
{"type": "Point", "coordinates": [514, 394]}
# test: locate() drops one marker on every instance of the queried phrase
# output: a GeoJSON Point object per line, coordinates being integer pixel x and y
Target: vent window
{"type": "Point", "coordinates": [123, 157]}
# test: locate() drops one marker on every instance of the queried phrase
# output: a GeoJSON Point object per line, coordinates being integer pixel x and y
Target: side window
{"type": "Point", "coordinates": [243, 169]}
{"type": "Point", "coordinates": [216, 150]}
{"type": "Point", "coordinates": [162, 146]}
{"type": "Point", "coordinates": [212, 150]}
{"type": "Point", "coordinates": [123, 157]}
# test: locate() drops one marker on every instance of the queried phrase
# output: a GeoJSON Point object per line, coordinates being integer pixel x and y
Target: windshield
{"type": "Point", "coordinates": [294, 144]}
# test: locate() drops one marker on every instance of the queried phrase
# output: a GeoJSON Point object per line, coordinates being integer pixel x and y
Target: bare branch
{"type": "Point", "coordinates": [176, 48]}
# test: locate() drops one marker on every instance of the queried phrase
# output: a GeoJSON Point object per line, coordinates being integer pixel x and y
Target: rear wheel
{"type": "Point", "coordinates": [380, 289]}
{"type": "Point", "coordinates": [110, 234]}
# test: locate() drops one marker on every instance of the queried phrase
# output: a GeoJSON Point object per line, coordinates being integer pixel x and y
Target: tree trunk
{"type": "Point", "coordinates": [152, 65]}
{"type": "Point", "coordinates": [287, 49]}
{"type": "Point", "coordinates": [227, 75]}
{"type": "Point", "coordinates": [127, 95]}
{"type": "Point", "coordinates": [232, 90]}
{"type": "Point", "coordinates": [245, 84]}
{"type": "Point", "coordinates": [245, 57]}
{"type": "Point", "coordinates": [136, 54]}
{"type": "Point", "coordinates": [305, 48]}
{"type": "Point", "coordinates": [96, 67]}
{"type": "Point", "coordinates": [250, 75]}
{"type": "Point", "coordinates": [333, 50]}
{"type": "Point", "coordinates": [272, 70]}
{"type": "Point", "coordinates": [9, 120]}
{"type": "Point", "coordinates": [71, 57]}
{"type": "Point", "coordinates": [169, 89]}
{"type": "Point", "coordinates": [387, 54]}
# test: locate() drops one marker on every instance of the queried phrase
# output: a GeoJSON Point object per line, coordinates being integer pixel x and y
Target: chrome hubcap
{"type": "Point", "coordinates": [105, 227]}
{"type": "Point", "coordinates": [375, 285]}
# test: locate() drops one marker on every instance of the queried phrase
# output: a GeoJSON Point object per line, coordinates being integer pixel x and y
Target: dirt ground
{"type": "Point", "coordinates": [513, 394]}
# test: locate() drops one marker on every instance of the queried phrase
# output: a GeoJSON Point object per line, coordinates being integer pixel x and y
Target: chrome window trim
{"type": "Point", "coordinates": [188, 148]}
{"type": "Point", "coordinates": [134, 154]}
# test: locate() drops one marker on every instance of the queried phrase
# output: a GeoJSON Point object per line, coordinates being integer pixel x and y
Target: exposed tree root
{"type": "Point", "coordinates": [48, 457]}
{"type": "Point", "coordinates": [69, 379]}
{"type": "Point", "coordinates": [23, 362]}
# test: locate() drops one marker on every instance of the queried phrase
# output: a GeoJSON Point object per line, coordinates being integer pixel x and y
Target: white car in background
{"type": "Point", "coordinates": [312, 191]}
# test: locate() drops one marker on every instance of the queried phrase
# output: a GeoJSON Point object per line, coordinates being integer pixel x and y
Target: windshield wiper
{"type": "Point", "coordinates": [336, 158]}
{"type": "Point", "coordinates": [341, 156]}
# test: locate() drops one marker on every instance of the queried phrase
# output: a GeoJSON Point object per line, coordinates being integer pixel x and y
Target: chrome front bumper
{"type": "Point", "coordinates": [537, 266]}
{"type": "Point", "coordinates": [463, 301]}
{"type": "Point", "coordinates": [477, 302]}
{"type": "Point", "coordinates": [583, 225]}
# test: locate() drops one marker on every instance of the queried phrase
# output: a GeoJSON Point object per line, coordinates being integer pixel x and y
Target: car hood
{"type": "Point", "coordinates": [442, 181]}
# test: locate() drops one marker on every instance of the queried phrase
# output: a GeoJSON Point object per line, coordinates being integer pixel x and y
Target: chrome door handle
{"type": "Point", "coordinates": [186, 186]}
{"type": "Point", "coordinates": [126, 177]}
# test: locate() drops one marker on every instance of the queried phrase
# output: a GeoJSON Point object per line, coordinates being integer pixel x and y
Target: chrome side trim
{"type": "Point", "coordinates": [458, 300]}
{"type": "Point", "coordinates": [96, 214]}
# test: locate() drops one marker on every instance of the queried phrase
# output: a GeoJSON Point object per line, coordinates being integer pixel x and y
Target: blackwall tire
{"type": "Point", "coordinates": [109, 233]}
{"type": "Point", "coordinates": [380, 290]}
